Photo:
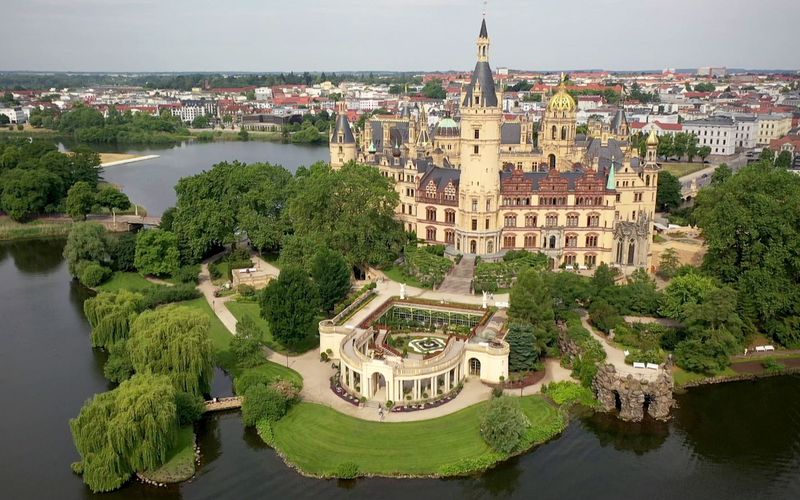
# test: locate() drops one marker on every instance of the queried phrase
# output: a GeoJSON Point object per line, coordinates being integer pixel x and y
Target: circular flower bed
{"type": "Point", "coordinates": [426, 345]}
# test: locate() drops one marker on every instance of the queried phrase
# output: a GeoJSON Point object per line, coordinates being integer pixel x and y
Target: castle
{"type": "Point", "coordinates": [489, 184]}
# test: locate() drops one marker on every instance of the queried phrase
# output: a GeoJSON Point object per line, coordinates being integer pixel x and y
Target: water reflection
{"type": "Point", "coordinates": [638, 437]}
{"type": "Point", "coordinates": [36, 256]}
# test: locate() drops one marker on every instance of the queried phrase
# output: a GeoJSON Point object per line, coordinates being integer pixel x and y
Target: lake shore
{"type": "Point", "coordinates": [115, 159]}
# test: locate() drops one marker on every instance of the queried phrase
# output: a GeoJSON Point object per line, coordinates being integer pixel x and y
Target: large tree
{"type": "Point", "coordinates": [24, 192]}
{"type": "Point", "coordinates": [331, 274]}
{"type": "Point", "coordinates": [290, 304]}
{"type": "Point", "coordinates": [157, 252]}
{"type": "Point", "coordinates": [110, 315]}
{"type": "Point", "coordinates": [350, 210]}
{"type": "Point", "coordinates": [668, 193]}
{"type": "Point", "coordinates": [751, 225]}
{"type": "Point", "coordinates": [129, 429]}
{"type": "Point", "coordinates": [173, 340]}
{"type": "Point", "coordinates": [86, 242]}
{"type": "Point", "coordinates": [503, 424]}
{"type": "Point", "coordinates": [80, 200]}
{"type": "Point", "coordinates": [113, 199]}
{"type": "Point", "coordinates": [532, 304]}
{"type": "Point", "coordinates": [524, 351]}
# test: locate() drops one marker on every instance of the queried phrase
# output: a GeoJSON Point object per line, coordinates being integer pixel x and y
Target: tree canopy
{"type": "Point", "coordinates": [131, 428]}
{"type": "Point", "coordinates": [331, 275]}
{"type": "Point", "coordinates": [503, 424]}
{"type": "Point", "coordinates": [157, 252]}
{"type": "Point", "coordinates": [668, 193]}
{"type": "Point", "coordinates": [751, 224]}
{"type": "Point", "coordinates": [110, 315]}
{"type": "Point", "coordinates": [290, 304]}
{"type": "Point", "coordinates": [173, 341]}
{"type": "Point", "coordinates": [86, 242]}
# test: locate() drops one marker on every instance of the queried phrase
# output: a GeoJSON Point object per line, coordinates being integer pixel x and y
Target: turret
{"type": "Point", "coordinates": [342, 142]}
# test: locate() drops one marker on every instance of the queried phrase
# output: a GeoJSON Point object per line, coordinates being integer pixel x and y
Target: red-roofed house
{"type": "Point", "coordinates": [659, 127]}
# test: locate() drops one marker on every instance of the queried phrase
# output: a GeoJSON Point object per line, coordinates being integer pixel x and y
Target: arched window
{"type": "Point", "coordinates": [552, 242]}
{"type": "Point", "coordinates": [647, 180]}
{"type": "Point", "coordinates": [530, 241]}
{"type": "Point", "coordinates": [619, 252]}
{"type": "Point", "coordinates": [490, 246]}
{"type": "Point", "coordinates": [554, 132]}
{"type": "Point", "coordinates": [631, 252]}
{"type": "Point", "coordinates": [430, 214]}
{"type": "Point", "coordinates": [563, 133]}
{"type": "Point", "coordinates": [430, 234]}
{"type": "Point", "coordinates": [473, 247]}
{"type": "Point", "coordinates": [552, 157]}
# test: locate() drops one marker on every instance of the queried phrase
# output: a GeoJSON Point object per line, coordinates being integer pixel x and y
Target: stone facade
{"type": "Point", "coordinates": [483, 185]}
{"type": "Point", "coordinates": [631, 395]}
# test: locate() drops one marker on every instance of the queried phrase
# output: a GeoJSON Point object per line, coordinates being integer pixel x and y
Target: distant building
{"type": "Point", "coordinates": [15, 115]}
{"type": "Point", "coordinates": [716, 132]}
{"type": "Point", "coordinates": [660, 128]}
{"type": "Point", "coordinates": [746, 132]}
{"type": "Point", "coordinates": [712, 72]}
{"type": "Point", "coordinates": [773, 127]}
{"type": "Point", "coordinates": [263, 93]}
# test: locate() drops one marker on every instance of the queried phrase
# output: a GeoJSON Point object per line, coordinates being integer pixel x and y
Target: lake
{"type": "Point", "coordinates": [150, 183]}
{"type": "Point", "coordinates": [737, 440]}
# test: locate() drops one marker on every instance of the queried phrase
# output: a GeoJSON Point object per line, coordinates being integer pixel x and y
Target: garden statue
{"type": "Point", "coordinates": [484, 304]}
{"type": "Point", "coordinates": [402, 291]}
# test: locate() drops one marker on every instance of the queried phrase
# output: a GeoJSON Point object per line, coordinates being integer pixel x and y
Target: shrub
{"type": "Point", "coordinates": [92, 274]}
{"type": "Point", "coordinates": [428, 267]}
{"type": "Point", "coordinates": [773, 366]}
{"type": "Point", "coordinates": [567, 393]}
{"type": "Point", "coordinates": [263, 403]}
{"type": "Point", "coordinates": [246, 291]}
{"type": "Point", "coordinates": [470, 465]}
{"type": "Point", "coordinates": [701, 356]}
{"type": "Point", "coordinates": [214, 272]}
{"type": "Point", "coordinates": [323, 356]}
{"type": "Point", "coordinates": [187, 274]}
{"type": "Point", "coordinates": [246, 344]}
{"type": "Point", "coordinates": [123, 251]}
{"type": "Point", "coordinates": [604, 316]}
{"type": "Point", "coordinates": [490, 276]}
{"type": "Point", "coordinates": [346, 470]}
{"type": "Point", "coordinates": [503, 424]}
{"type": "Point", "coordinates": [160, 295]}
{"type": "Point", "coordinates": [188, 407]}
{"type": "Point", "coordinates": [250, 378]}
{"type": "Point", "coordinates": [645, 356]}
{"type": "Point", "coordinates": [264, 429]}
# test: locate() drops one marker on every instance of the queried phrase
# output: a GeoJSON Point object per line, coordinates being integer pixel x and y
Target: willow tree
{"type": "Point", "coordinates": [129, 429]}
{"type": "Point", "coordinates": [173, 340]}
{"type": "Point", "coordinates": [110, 314]}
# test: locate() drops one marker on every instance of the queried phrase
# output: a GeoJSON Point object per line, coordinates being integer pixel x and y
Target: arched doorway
{"type": "Point", "coordinates": [474, 367]}
{"type": "Point", "coordinates": [552, 242]}
{"type": "Point", "coordinates": [631, 252]}
{"type": "Point", "coordinates": [490, 246]}
{"type": "Point", "coordinates": [619, 252]}
{"type": "Point", "coordinates": [552, 159]}
{"type": "Point", "coordinates": [473, 247]}
{"type": "Point", "coordinates": [378, 383]}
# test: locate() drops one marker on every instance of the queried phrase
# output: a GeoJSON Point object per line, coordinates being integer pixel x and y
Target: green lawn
{"type": "Point", "coordinates": [681, 169]}
{"type": "Point", "coordinates": [252, 310]}
{"type": "Point", "coordinates": [317, 439]}
{"type": "Point", "coordinates": [126, 281]}
{"type": "Point", "coordinates": [396, 273]}
{"type": "Point", "coordinates": [220, 336]}
{"type": "Point", "coordinates": [273, 370]}
{"type": "Point", "coordinates": [180, 464]}
{"type": "Point", "coordinates": [683, 377]}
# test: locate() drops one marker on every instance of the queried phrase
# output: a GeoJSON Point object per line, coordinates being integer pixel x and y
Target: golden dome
{"type": "Point", "coordinates": [652, 139]}
{"type": "Point", "coordinates": [562, 101]}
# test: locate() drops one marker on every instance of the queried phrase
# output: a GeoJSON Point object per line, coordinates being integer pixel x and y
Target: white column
{"type": "Point", "coordinates": [417, 391]}
{"type": "Point", "coordinates": [434, 387]}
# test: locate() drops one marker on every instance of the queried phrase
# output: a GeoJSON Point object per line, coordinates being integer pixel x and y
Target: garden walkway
{"type": "Point", "coordinates": [316, 374]}
{"type": "Point", "coordinates": [615, 356]}
{"type": "Point", "coordinates": [459, 280]}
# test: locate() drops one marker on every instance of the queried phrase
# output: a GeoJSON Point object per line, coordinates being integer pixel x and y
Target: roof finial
{"type": "Point", "coordinates": [484, 8]}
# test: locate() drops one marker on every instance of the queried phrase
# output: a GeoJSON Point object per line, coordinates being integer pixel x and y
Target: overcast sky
{"type": "Point", "coordinates": [337, 35]}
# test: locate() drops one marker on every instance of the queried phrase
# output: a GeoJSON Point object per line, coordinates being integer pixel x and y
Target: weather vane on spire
{"type": "Point", "coordinates": [484, 7]}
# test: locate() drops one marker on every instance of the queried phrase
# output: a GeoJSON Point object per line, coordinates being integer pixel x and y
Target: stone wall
{"type": "Point", "coordinates": [629, 394]}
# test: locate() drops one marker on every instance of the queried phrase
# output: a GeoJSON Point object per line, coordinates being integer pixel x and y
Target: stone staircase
{"type": "Point", "coordinates": [460, 277]}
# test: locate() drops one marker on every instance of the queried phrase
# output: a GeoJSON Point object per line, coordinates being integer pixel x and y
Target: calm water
{"type": "Point", "coordinates": [737, 440]}
{"type": "Point", "coordinates": [151, 182]}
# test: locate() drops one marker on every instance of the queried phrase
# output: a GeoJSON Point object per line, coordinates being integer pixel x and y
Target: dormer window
{"type": "Point", "coordinates": [477, 100]}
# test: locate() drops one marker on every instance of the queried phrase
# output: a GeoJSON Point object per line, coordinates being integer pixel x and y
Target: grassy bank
{"type": "Point", "coordinates": [449, 445]}
{"type": "Point", "coordinates": [681, 169]}
{"type": "Point", "coordinates": [10, 230]}
{"type": "Point", "coordinates": [253, 311]}
{"type": "Point", "coordinates": [396, 273]}
{"type": "Point", "coordinates": [125, 281]}
{"type": "Point", "coordinates": [180, 465]}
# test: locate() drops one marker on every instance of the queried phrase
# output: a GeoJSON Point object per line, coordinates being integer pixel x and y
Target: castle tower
{"type": "Point", "coordinates": [342, 142]}
{"type": "Point", "coordinates": [557, 135]}
{"type": "Point", "coordinates": [477, 229]}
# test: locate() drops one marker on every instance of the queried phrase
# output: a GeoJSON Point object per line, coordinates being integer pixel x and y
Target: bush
{"type": "Point", "coordinates": [654, 356]}
{"type": "Point", "coordinates": [428, 267]}
{"type": "Point", "coordinates": [470, 465]}
{"type": "Point", "coordinates": [346, 470]}
{"type": "Point", "coordinates": [584, 367]}
{"type": "Point", "coordinates": [188, 407]}
{"type": "Point", "coordinates": [246, 344]}
{"type": "Point", "coordinates": [187, 274]}
{"type": "Point", "coordinates": [214, 272]}
{"type": "Point", "coordinates": [604, 316]}
{"type": "Point", "coordinates": [123, 251]}
{"type": "Point", "coordinates": [246, 291]}
{"type": "Point", "coordinates": [265, 432]}
{"type": "Point", "coordinates": [701, 356]}
{"type": "Point", "coordinates": [773, 366]}
{"type": "Point", "coordinates": [263, 403]}
{"type": "Point", "coordinates": [92, 274]}
{"type": "Point", "coordinates": [567, 393]}
{"type": "Point", "coordinates": [157, 296]}
{"type": "Point", "coordinates": [503, 424]}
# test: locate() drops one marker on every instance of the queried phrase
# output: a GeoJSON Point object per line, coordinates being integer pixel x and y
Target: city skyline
{"type": "Point", "coordinates": [417, 35]}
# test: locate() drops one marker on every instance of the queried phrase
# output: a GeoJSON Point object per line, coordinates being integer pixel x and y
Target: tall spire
{"type": "Point", "coordinates": [484, 33]}
{"type": "Point", "coordinates": [483, 43]}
